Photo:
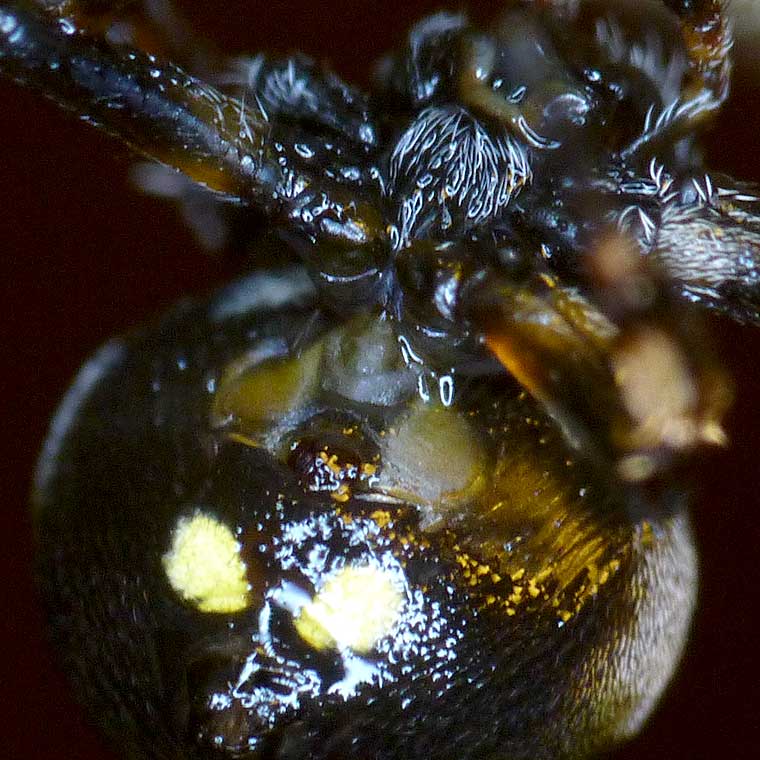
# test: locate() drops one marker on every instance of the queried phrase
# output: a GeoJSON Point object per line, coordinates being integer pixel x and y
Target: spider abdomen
{"type": "Point", "coordinates": [517, 613]}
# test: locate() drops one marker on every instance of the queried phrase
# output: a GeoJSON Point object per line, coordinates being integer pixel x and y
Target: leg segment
{"type": "Point", "coordinates": [625, 372]}
{"type": "Point", "coordinates": [707, 39]}
{"type": "Point", "coordinates": [708, 241]}
{"type": "Point", "coordinates": [156, 108]}
{"type": "Point", "coordinates": [323, 188]}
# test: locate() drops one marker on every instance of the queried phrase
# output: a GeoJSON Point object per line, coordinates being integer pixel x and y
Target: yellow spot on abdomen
{"type": "Point", "coordinates": [204, 567]}
{"type": "Point", "coordinates": [356, 607]}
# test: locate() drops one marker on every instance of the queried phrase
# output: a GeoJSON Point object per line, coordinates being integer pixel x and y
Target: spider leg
{"type": "Point", "coordinates": [156, 108]}
{"type": "Point", "coordinates": [703, 233]}
{"type": "Point", "coordinates": [446, 58]}
{"type": "Point", "coordinates": [321, 188]}
{"type": "Point", "coordinates": [477, 91]}
{"type": "Point", "coordinates": [708, 39]}
{"type": "Point", "coordinates": [623, 369]}
{"type": "Point", "coordinates": [294, 87]}
{"type": "Point", "coordinates": [155, 26]}
{"type": "Point", "coordinates": [516, 75]}
{"type": "Point", "coordinates": [708, 241]}
{"type": "Point", "coordinates": [297, 90]}
{"type": "Point", "coordinates": [288, 91]}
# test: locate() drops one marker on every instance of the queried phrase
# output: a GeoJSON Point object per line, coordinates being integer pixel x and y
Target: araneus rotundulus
{"type": "Point", "coordinates": [412, 491]}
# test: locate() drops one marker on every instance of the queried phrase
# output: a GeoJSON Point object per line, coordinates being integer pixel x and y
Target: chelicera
{"type": "Point", "coordinates": [438, 450]}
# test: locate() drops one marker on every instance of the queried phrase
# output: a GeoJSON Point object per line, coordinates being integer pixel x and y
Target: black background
{"type": "Point", "coordinates": [85, 256]}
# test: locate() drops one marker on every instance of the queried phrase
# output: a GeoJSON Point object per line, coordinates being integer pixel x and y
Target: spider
{"type": "Point", "coordinates": [400, 353]}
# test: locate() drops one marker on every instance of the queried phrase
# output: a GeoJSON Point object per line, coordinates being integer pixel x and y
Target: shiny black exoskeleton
{"type": "Point", "coordinates": [410, 492]}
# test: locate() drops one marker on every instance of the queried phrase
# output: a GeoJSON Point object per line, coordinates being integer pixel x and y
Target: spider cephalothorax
{"type": "Point", "coordinates": [411, 491]}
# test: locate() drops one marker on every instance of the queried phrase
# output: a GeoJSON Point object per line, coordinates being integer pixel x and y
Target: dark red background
{"type": "Point", "coordinates": [85, 256]}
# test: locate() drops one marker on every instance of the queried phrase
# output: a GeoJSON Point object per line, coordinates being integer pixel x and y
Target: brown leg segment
{"type": "Point", "coordinates": [629, 376]}
{"type": "Point", "coordinates": [154, 107]}
{"type": "Point", "coordinates": [164, 114]}
{"type": "Point", "coordinates": [708, 41]}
